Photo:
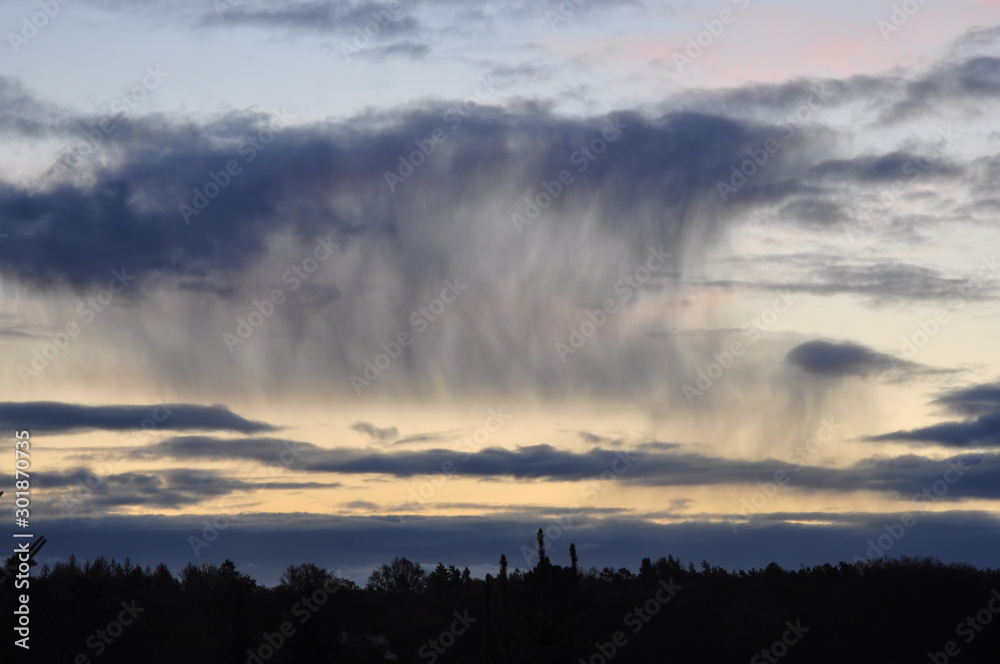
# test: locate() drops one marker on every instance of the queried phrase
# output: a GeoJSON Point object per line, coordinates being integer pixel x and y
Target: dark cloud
{"type": "Point", "coordinates": [22, 114]}
{"type": "Point", "coordinates": [884, 282]}
{"type": "Point", "coordinates": [813, 210]}
{"type": "Point", "coordinates": [380, 435]}
{"type": "Point", "coordinates": [419, 438]}
{"type": "Point", "coordinates": [974, 79]}
{"type": "Point", "coordinates": [409, 49]}
{"type": "Point", "coordinates": [655, 185]}
{"type": "Point", "coordinates": [652, 184]}
{"type": "Point", "coordinates": [51, 416]}
{"type": "Point", "coordinates": [835, 360]}
{"type": "Point", "coordinates": [976, 400]}
{"type": "Point", "coordinates": [959, 80]}
{"type": "Point", "coordinates": [82, 491]}
{"type": "Point", "coordinates": [598, 440]}
{"type": "Point", "coordinates": [980, 402]}
{"type": "Point", "coordinates": [885, 168]}
{"type": "Point", "coordinates": [879, 283]}
{"type": "Point", "coordinates": [658, 464]}
{"type": "Point", "coordinates": [356, 545]}
{"type": "Point", "coordinates": [983, 431]}
{"type": "Point", "coordinates": [361, 505]}
{"type": "Point", "coordinates": [345, 17]}
{"type": "Point", "coordinates": [651, 188]}
{"type": "Point", "coordinates": [271, 451]}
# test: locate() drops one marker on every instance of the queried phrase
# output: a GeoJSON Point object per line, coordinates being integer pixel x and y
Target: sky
{"type": "Point", "coordinates": [336, 282]}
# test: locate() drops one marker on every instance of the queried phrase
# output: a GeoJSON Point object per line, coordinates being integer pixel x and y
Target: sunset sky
{"type": "Point", "coordinates": [357, 280]}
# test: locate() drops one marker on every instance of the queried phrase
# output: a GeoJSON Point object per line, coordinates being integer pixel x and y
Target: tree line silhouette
{"type": "Point", "coordinates": [904, 610]}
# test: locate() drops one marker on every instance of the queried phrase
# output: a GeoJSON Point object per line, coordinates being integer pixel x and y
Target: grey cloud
{"type": "Point", "coordinates": [408, 49]}
{"type": "Point", "coordinates": [824, 358]}
{"type": "Point", "coordinates": [885, 168]}
{"type": "Point", "coordinates": [80, 491]}
{"type": "Point", "coordinates": [377, 434]}
{"type": "Point", "coordinates": [362, 543]}
{"type": "Point", "coordinates": [652, 187]}
{"type": "Point", "coordinates": [659, 464]}
{"type": "Point", "coordinates": [975, 400]}
{"type": "Point", "coordinates": [344, 17]}
{"type": "Point", "coordinates": [595, 439]}
{"type": "Point", "coordinates": [979, 402]}
{"type": "Point", "coordinates": [51, 416]}
{"type": "Point", "coordinates": [983, 431]}
{"type": "Point", "coordinates": [162, 164]}
{"type": "Point", "coordinates": [879, 283]}
{"type": "Point", "coordinates": [813, 210]}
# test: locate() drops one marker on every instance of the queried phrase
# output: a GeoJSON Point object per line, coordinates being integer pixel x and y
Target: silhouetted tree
{"type": "Point", "coordinates": [400, 577]}
{"type": "Point", "coordinates": [304, 579]}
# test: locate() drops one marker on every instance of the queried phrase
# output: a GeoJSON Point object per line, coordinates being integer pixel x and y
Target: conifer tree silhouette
{"type": "Point", "coordinates": [539, 618]}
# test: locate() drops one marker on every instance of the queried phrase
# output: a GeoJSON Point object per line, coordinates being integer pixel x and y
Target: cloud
{"type": "Point", "coordinates": [658, 464]}
{"type": "Point", "coordinates": [51, 416]}
{"type": "Point", "coordinates": [408, 49]}
{"type": "Point", "coordinates": [656, 185]}
{"type": "Point", "coordinates": [433, 437]}
{"type": "Point", "coordinates": [81, 491]}
{"type": "Point", "coordinates": [23, 115]}
{"type": "Point", "coordinates": [885, 168]}
{"type": "Point", "coordinates": [976, 400]}
{"type": "Point", "coordinates": [375, 433]}
{"type": "Point", "coordinates": [981, 403]}
{"type": "Point", "coordinates": [598, 440]}
{"type": "Point", "coordinates": [835, 360]}
{"type": "Point", "coordinates": [971, 79]}
{"type": "Point", "coordinates": [813, 210]}
{"type": "Point", "coordinates": [879, 283]}
{"type": "Point", "coordinates": [983, 431]}
{"type": "Point", "coordinates": [651, 188]}
{"type": "Point", "coordinates": [369, 19]}
{"type": "Point", "coordinates": [359, 544]}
